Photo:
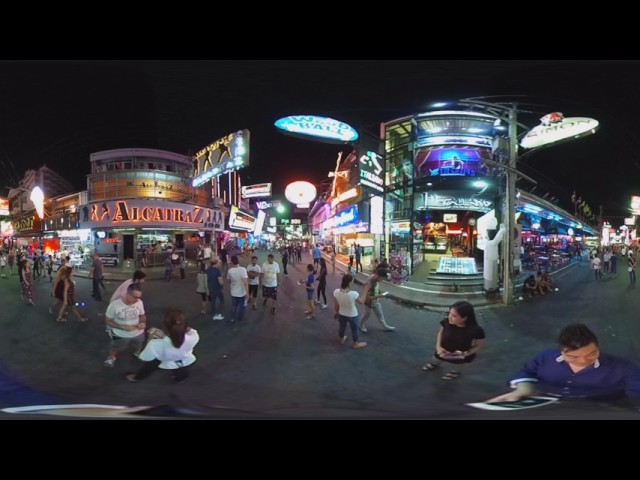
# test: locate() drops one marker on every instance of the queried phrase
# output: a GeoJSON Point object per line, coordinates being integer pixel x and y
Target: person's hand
{"type": "Point", "coordinates": [508, 397]}
{"type": "Point", "coordinates": [441, 351]}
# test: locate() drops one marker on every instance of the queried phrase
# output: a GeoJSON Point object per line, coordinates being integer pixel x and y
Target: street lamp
{"type": "Point", "coordinates": [553, 129]}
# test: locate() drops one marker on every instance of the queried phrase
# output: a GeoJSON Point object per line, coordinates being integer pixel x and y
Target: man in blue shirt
{"type": "Point", "coordinates": [576, 370]}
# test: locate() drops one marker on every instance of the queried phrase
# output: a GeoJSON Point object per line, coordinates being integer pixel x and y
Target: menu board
{"type": "Point", "coordinates": [459, 265]}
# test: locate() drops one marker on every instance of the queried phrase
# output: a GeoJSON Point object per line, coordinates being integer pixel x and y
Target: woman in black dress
{"type": "Point", "coordinates": [458, 340]}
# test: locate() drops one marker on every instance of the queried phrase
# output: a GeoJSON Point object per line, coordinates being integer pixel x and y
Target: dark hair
{"type": "Point", "coordinates": [465, 310]}
{"type": "Point", "coordinates": [346, 281]}
{"type": "Point", "coordinates": [175, 326]}
{"type": "Point", "coordinates": [576, 336]}
{"type": "Point", "coordinates": [234, 259]}
{"type": "Point", "coordinates": [310, 268]}
{"type": "Point", "coordinates": [254, 257]}
{"type": "Point", "coordinates": [270, 255]}
{"type": "Point", "coordinates": [134, 287]}
{"type": "Point", "coordinates": [138, 275]}
{"type": "Point", "coordinates": [382, 272]}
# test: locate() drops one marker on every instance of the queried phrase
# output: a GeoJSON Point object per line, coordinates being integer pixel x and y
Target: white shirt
{"type": "Point", "coordinates": [270, 271]}
{"type": "Point", "coordinates": [121, 291]}
{"type": "Point", "coordinates": [171, 357]}
{"type": "Point", "coordinates": [124, 314]}
{"type": "Point", "coordinates": [347, 302]}
{"type": "Point", "coordinates": [257, 270]}
{"type": "Point", "coordinates": [235, 276]}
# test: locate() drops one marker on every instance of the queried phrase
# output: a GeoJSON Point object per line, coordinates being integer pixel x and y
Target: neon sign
{"type": "Point", "coordinates": [225, 155]}
{"type": "Point", "coordinates": [559, 130]}
{"type": "Point", "coordinates": [323, 128]}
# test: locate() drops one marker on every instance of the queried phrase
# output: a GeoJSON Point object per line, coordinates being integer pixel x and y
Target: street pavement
{"type": "Point", "coordinates": [285, 366]}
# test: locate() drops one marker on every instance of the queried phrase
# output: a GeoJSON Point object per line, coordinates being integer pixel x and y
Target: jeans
{"type": "Point", "coordinates": [377, 309]}
{"type": "Point", "coordinates": [632, 277]}
{"type": "Point", "coordinates": [214, 296]}
{"type": "Point", "coordinates": [237, 308]}
{"type": "Point", "coordinates": [353, 323]}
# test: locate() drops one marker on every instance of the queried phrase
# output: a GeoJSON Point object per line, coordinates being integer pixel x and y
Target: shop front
{"type": "Point", "coordinates": [27, 232]}
{"type": "Point", "coordinates": [128, 230]}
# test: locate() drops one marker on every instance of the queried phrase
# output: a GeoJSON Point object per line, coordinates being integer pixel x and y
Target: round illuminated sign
{"type": "Point", "coordinates": [300, 192]}
{"type": "Point", "coordinates": [321, 128]}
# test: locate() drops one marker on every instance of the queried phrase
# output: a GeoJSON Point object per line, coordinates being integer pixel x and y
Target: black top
{"type": "Point", "coordinates": [459, 338]}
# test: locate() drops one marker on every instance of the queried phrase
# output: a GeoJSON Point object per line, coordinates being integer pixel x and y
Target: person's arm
{"type": "Point", "coordinates": [90, 274]}
{"type": "Point", "coordinates": [477, 345]}
{"type": "Point", "coordinates": [524, 381]}
{"type": "Point", "coordinates": [365, 291]}
{"type": "Point", "coordinates": [142, 322]}
{"type": "Point", "coordinates": [245, 282]}
{"type": "Point", "coordinates": [439, 349]}
{"type": "Point", "coordinates": [336, 306]}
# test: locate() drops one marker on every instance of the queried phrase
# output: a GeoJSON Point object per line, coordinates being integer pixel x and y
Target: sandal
{"type": "Point", "coordinates": [429, 366]}
{"type": "Point", "coordinates": [83, 319]}
{"type": "Point", "coordinates": [61, 319]}
{"type": "Point", "coordinates": [451, 375]}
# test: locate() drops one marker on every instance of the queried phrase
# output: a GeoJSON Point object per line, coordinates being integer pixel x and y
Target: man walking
{"type": "Point", "coordinates": [238, 284]}
{"type": "Point", "coordinates": [269, 280]}
{"type": "Point", "coordinates": [96, 273]}
{"type": "Point", "coordinates": [372, 295]}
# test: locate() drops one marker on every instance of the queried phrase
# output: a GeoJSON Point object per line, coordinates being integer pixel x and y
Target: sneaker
{"type": "Point", "coordinates": [343, 340]}
{"type": "Point", "coordinates": [218, 317]}
{"type": "Point", "coordinates": [109, 362]}
{"type": "Point", "coordinates": [363, 329]}
{"type": "Point", "coordinates": [389, 328]}
{"type": "Point", "coordinates": [359, 344]}
{"type": "Point", "coordinates": [131, 377]}
{"type": "Point", "coordinates": [316, 302]}
{"type": "Point", "coordinates": [323, 306]}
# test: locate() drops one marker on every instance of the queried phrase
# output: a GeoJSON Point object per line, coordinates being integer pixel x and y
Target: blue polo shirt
{"type": "Point", "coordinates": [609, 377]}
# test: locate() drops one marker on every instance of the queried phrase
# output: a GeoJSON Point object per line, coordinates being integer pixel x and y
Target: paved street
{"type": "Point", "coordinates": [286, 366]}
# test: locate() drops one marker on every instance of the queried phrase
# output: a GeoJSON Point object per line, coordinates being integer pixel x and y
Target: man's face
{"type": "Point", "coordinates": [270, 259]}
{"type": "Point", "coordinates": [582, 357]}
{"type": "Point", "coordinates": [133, 297]}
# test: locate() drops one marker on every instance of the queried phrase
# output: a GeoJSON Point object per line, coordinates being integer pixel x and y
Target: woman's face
{"type": "Point", "coordinates": [455, 319]}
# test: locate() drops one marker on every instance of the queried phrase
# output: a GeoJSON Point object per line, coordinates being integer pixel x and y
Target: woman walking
{"type": "Point", "coordinates": [24, 270]}
{"type": "Point", "coordinates": [346, 311]}
{"type": "Point", "coordinates": [322, 283]}
{"type": "Point", "coordinates": [458, 340]}
{"type": "Point", "coordinates": [202, 287]}
{"type": "Point", "coordinates": [69, 299]}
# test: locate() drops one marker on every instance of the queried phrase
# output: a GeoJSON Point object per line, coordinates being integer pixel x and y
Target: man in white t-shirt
{"type": "Point", "coordinates": [126, 322]}
{"type": "Point", "coordinates": [254, 271]}
{"type": "Point", "coordinates": [121, 291]}
{"type": "Point", "coordinates": [238, 284]}
{"type": "Point", "coordinates": [269, 276]}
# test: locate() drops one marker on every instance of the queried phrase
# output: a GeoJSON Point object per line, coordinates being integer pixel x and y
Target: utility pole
{"type": "Point", "coordinates": [510, 207]}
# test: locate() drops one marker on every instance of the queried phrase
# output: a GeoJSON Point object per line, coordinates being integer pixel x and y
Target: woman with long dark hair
{"type": "Point", "coordinates": [458, 341]}
{"type": "Point", "coordinates": [169, 349]}
{"type": "Point", "coordinates": [322, 283]}
{"type": "Point", "coordinates": [346, 311]}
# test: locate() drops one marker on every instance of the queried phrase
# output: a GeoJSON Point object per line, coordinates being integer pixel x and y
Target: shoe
{"type": "Point", "coordinates": [309, 317]}
{"type": "Point", "coordinates": [343, 340]}
{"type": "Point", "coordinates": [109, 362]}
{"type": "Point", "coordinates": [451, 375]}
{"type": "Point", "coordinates": [308, 312]}
{"type": "Point", "coordinates": [363, 329]}
{"type": "Point", "coordinates": [316, 302]}
{"type": "Point", "coordinates": [324, 306]}
{"type": "Point", "coordinates": [218, 317]}
{"type": "Point", "coordinates": [131, 377]}
{"type": "Point", "coordinates": [202, 312]}
{"type": "Point", "coordinates": [359, 345]}
{"type": "Point", "coordinates": [389, 328]}
{"type": "Point", "coordinates": [429, 367]}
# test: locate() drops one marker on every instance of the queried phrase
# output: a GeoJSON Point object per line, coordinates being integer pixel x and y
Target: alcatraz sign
{"type": "Point", "coordinates": [139, 213]}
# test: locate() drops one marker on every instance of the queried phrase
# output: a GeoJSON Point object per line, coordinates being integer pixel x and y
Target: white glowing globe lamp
{"type": "Point", "coordinates": [300, 192]}
{"type": "Point", "coordinates": [37, 197]}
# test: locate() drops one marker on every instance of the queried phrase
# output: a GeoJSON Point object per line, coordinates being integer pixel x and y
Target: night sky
{"type": "Point", "coordinates": [58, 112]}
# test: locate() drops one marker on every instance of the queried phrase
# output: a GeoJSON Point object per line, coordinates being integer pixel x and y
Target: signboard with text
{"type": "Point", "coordinates": [149, 213]}
{"type": "Point", "coordinates": [225, 155]}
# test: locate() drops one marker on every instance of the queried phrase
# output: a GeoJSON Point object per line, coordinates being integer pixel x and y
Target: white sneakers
{"type": "Point", "coordinates": [218, 317]}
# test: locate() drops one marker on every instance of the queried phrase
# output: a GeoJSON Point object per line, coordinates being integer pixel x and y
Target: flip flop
{"type": "Point", "coordinates": [429, 367]}
{"type": "Point", "coordinates": [451, 375]}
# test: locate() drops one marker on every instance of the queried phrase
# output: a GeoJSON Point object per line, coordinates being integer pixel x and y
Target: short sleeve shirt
{"type": "Point", "coordinates": [459, 338]}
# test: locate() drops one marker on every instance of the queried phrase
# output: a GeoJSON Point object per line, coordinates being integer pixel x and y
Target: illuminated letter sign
{"type": "Point", "coordinates": [225, 155]}
{"type": "Point", "coordinates": [241, 220]}
{"type": "Point", "coordinates": [259, 190]}
{"type": "Point", "coordinates": [348, 217]}
{"type": "Point", "coordinates": [371, 170]}
{"type": "Point", "coordinates": [323, 128]}
{"type": "Point", "coordinates": [564, 129]}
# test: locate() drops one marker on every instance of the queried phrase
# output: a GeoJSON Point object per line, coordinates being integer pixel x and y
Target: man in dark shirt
{"type": "Point", "coordinates": [576, 370]}
{"type": "Point", "coordinates": [96, 273]}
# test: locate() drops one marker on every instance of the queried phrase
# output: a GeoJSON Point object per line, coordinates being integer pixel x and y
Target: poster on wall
{"type": "Point", "coordinates": [447, 161]}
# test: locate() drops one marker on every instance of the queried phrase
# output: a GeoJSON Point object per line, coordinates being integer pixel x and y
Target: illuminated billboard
{"type": "Point", "coordinates": [321, 128]}
{"type": "Point", "coordinates": [225, 155]}
{"type": "Point", "coordinates": [239, 220]}
{"type": "Point", "coordinates": [448, 161]}
{"type": "Point", "coordinates": [554, 129]}
{"type": "Point", "coordinates": [258, 190]}
{"type": "Point", "coordinates": [4, 206]}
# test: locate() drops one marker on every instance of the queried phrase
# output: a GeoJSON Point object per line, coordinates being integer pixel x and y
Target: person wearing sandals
{"type": "Point", "coordinates": [68, 297]}
{"type": "Point", "coordinates": [169, 349]}
{"type": "Point", "coordinates": [458, 341]}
